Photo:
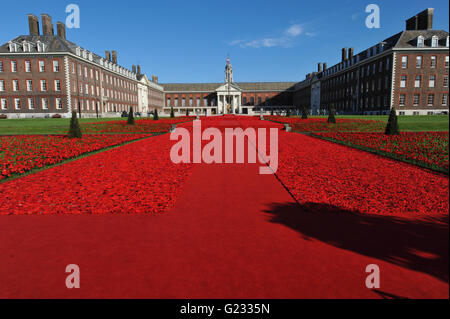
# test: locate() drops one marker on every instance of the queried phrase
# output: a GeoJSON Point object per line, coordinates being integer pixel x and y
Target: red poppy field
{"type": "Point", "coordinates": [321, 124]}
{"type": "Point", "coordinates": [19, 154]}
{"type": "Point", "coordinates": [141, 226]}
{"type": "Point", "coordinates": [429, 149]}
{"type": "Point", "coordinates": [141, 126]}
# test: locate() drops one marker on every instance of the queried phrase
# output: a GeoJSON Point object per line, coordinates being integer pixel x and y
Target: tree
{"type": "Point", "coordinates": [331, 116]}
{"type": "Point", "coordinates": [392, 126]}
{"type": "Point", "coordinates": [271, 111]}
{"type": "Point", "coordinates": [172, 114]}
{"type": "Point", "coordinates": [155, 115]}
{"type": "Point", "coordinates": [74, 130]}
{"type": "Point", "coordinates": [304, 113]}
{"type": "Point", "coordinates": [187, 112]}
{"type": "Point", "coordinates": [130, 120]}
{"type": "Point", "coordinates": [288, 113]}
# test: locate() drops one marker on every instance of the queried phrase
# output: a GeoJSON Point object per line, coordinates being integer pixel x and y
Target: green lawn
{"type": "Point", "coordinates": [410, 123]}
{"type": "Point", "coordinates": [41, 126]}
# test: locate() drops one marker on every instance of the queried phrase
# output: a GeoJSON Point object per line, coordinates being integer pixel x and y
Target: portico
{"type": "Point", "coordinates": [229, 99]}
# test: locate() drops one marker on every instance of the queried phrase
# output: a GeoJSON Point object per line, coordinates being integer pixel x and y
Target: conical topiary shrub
{"type": "Point", "coordinates": [187, 112]}
{"type": "Point", "coordinates": [130, 120]}
{"type": "Point", "coordinates": [155, 115]}
{"type": "Point", "coordinates": [304, 113]}
{"type": "Point", "coordinates": [74, 130]}
{"type": "Point", "coordinates": [172, 113]}
{"type": "Point", "coordinates": [331, 116]}
{"type": "Point", "coordinates": [392, 126]}
{"type": "Point", "coordinates": [271, 112]}
{"type": "Point", "coordinates": [288, 113]}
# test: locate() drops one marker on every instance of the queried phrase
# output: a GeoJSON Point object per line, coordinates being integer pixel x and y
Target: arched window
{"type": "Point", "coordinates": [434, 41]}
{"type": "Point", "coordinates": [420, 41]}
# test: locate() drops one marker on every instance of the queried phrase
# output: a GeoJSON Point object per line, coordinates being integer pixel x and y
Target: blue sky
{"type": "Point", "coordinates": [188, 41]}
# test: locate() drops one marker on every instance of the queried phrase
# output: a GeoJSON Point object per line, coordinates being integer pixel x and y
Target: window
{"type": "Point", "coordinates": [446, 61]}
{"type": "Point", "coordinates": [41, 66]}
{"type": "Point", "coordinates": [28, 66]}
{"type": "Point", "coordinates": [403, 80]}
{"type": "Point", "coordinates": [432, 81]}
{"type": "Point", "coordinates": [430, 99]}
{"type": "Point", "coordinates": [1, 67]}
{"type": "Point", "coordinates": [252, 101]}
{"type": "Point", "coordinates": [30, 103]}
{"type": "Point", "coordinates": [44, 103]}
{"type": "Point", "coordinates": [404, 62]}
{"type": "Point", "coordinates": [2, 85]}
{"type": "Point", "coordinates": [43, 85]}
{"type": "Point", "coordinates": [402, 101]}
{"type": "Point", "coordinates": [418, 81]}
{"type": "Point", "coordinates": [433, 61]}
{"type": "Point", "coordinates": [168, 102]}
{"type": "Point", "coordinates": [15, 85]}
{"type": "Point", "coordinates": [58, 103]}
{"type": "Point", "coordinates": [17, 103]}
{"type": "Point", "coordinates": [419, 62]}
{"type": "Point", "coordinates": [445, 99]}
{"type": "Point", "coordinates": [434, 41]}
{"type": "Point", "coordinates": [3, 104]}
{"type": "Point", "coordinates": [29, 85]}
{"type": "Point", "coordinates": [55, 66]}
{"type": "Point", "coordinates": [183, 102]}
{"type": "Point", "coordinates": [175, 103]}
{"type": "Point", "coordinates": [57, 85]}
{"type": "Point", "coordinates": [14, 66]}
{"type": "Point", "coordinates": [445, 82]}
{"type": "Point", "coordinates": [205, 101]}
{"type": "Point", "coordinates": [40, 47]}
{"type": "Point", "coordinates": [416, 99]}
{"type": "Point", "coordinates": [420, 41]}
{"type": "Point", "coordinates": [85, 72]}
{"type": "Point", "coordinates": [191, 102]}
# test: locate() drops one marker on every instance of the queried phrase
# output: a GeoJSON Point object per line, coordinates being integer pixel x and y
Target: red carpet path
{"type": "Point", "coordinates": [219, 241]}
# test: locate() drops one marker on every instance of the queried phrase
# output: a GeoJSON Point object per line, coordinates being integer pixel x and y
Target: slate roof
{"type": "Point", "coordinates": [244, 86]}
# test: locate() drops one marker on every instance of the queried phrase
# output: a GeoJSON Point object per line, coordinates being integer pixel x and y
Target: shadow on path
{"type": "Point", "coordinates": [420, 245]}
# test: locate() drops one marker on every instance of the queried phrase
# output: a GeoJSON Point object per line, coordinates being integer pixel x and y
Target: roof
{"type": "Point", "coordinates": [244, 86]}
{"type": "Point", "coordinates": [408, 39]}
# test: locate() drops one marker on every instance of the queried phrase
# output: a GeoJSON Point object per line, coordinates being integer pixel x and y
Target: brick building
{"type": "Point", "coordinates": [228, 97]}
{"type": "Point", "coordinates": [408, 71]}
{"type": "Point", "coordinates": [46, 75]}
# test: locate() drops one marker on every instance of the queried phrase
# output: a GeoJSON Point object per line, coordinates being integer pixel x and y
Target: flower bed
{"type": "Point", "coordinates": [429, 149]}
{"type": "Point", "coordinates": [135, 178]}
{"type": "Point", "coordinates": [141, 126]}
{"type": "Point", "coordinates": [19, 154]}
{"type": "Point", "coordinates": [317, 171]}
{"type": "Point", "coordinates": [321, 124]}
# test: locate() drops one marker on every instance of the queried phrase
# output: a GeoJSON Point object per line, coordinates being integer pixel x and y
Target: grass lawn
{"type": "Point", "coordinates": [42, 126]}
{"type": "Point", "coordinates": [410, 123]}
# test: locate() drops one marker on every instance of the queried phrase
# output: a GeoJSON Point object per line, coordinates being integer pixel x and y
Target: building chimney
{"type": "Point", "coordinates": [114, 57]}
{"type": "Point", "coordinates": [350, 53]}
{"type": "Point", "coordinates": [421, 21]}
{"type": "Point", "coordinates": [47, 26]}
{"type": "Point", "coordinates": [33, 23]}
{"type": "Point", "coordinates": [344, 54]}
{"type": "Point", "coordinates": [61, 30]}
{"type": "Point", "coordinates": [324, 66]}
{"type": "Point", "coordinates": [139, 70]}
{"type": "Point", "coordinates": [319, 67]}
{"type": "Point", "coordinates": [156, 79]}
{"type": "Point", "coordinates": [108, 55]}
{"type": "Point", "coordinates": [133, 68]}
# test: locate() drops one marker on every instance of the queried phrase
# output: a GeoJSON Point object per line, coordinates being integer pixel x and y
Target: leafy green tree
{"type": "Point", "coordinates": [155, 115]}
{"type": "Point", "coordinates": [74, 130]}
{"type": "Point", "coordinates": [130, 120]}
{"type": "Point", "coordinates": [172, 113]}
{"type": "Point", "coordinates": [392, 126]}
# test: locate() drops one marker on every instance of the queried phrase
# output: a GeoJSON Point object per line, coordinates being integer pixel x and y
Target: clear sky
{"type": "Point", "coordinates": [188, 41]}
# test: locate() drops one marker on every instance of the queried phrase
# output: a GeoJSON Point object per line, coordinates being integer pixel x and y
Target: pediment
{"type": "Point", "coordinates": [232, 88]}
